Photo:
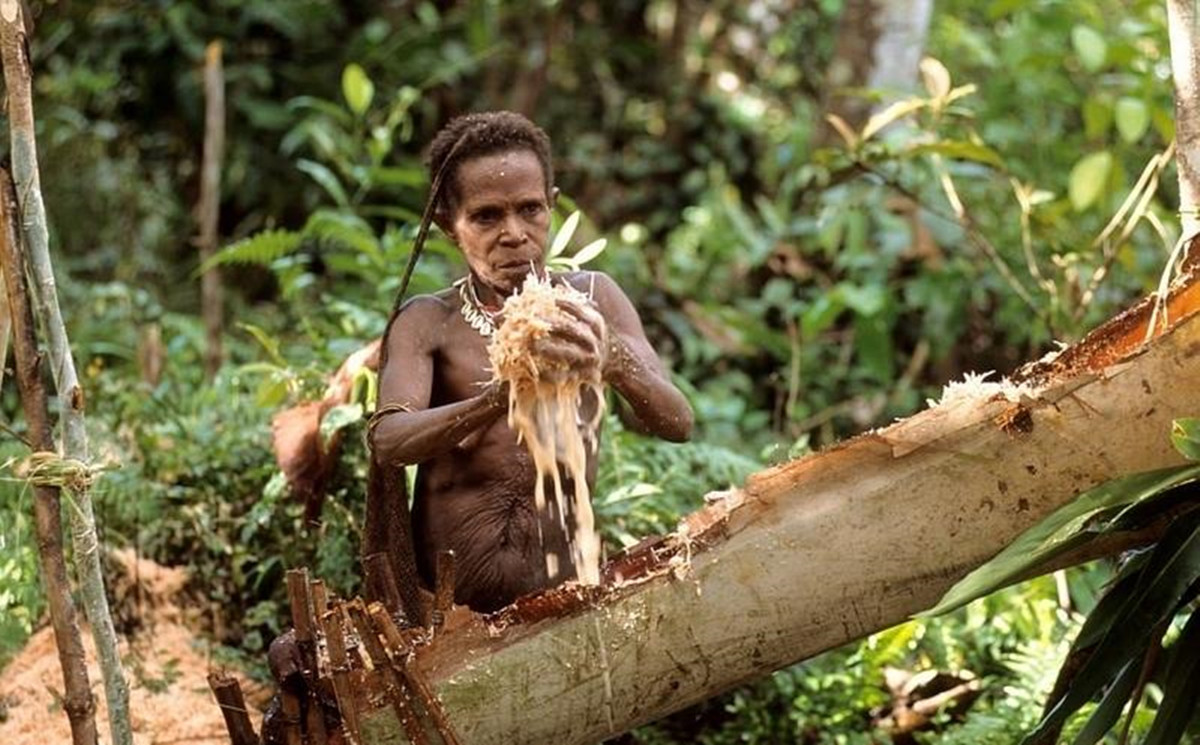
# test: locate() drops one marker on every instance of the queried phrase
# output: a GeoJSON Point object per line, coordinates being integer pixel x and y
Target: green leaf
{"type": "Point", "coordinates": [1059, 532]}
{"type": "Point", "coordinates": [1108, 712]}
{"type": "Point", "coordinates": [1097, 116]}
{"type": "Point", "coordinates": [1088, 179]}
{"type": "Point", "coordinates": [271, 392]}
{"type": "Point", "coordinates": [961, 150]}
{"type": "Point", "coordinates": [268, 342]}
{"type": "Point", "coordinates": [1133, 118]}
{"type": "Point", "coordinates": [260, 248]}
{"type": "Point", "coordinates": [327, 180]}
{"type": "Point", "coordinates": [1181, 688]}
{"type": "Point", "coordinates": [563, 237]}
{"type": "Point", "coordinates": [1090, 46]}
{"type": "Point", "coordinates": [338, 418]}
{"type": "Point", "coordinates": [357, 88]}
{"type": "Point", "coordinates": [1173, 566]}
{"type": "Point", "coordinates": [1185, 435]}
{"type": "Point", "coordinates": [820, 315]}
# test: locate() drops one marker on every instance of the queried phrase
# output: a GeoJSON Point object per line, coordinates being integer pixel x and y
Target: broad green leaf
{"type": "Point", "coordinates": [961, 150]}
{"type": "Point", "coordinates": [865, 300]}
{"type": "Point", "coordinates": [271, 392]}
{"type": "Point", "coordinates": [873, 346]}
{"type": "Point", "coordinates": [1181, 688]}
{"type": "Point", "coordinates": [1059, 532]}
{"type": "Point", "coordinates": [1090, 46]}
{"type": "Point", "coordinates": [338, 418]}
{"type": "Point", "coordinates": [820, 315]}
{"type": "Point", "coordinates": [1185, 435]}
{"type": "Point", "coordinates": [1097, 116]}
{"type": "Point", "coordinates": [563, 237]}
{"type": "Point", "coordinates": [327, 180]}
{"type": "Point", "coordinates": [1133, 118]}
{"type": "Point", "coordinates": [357, 88]}
{"type": "Point", "coordinates": [1173, 566]}
{"type": "Point", "coordinates": [1088, 179]}
{"type": "Point", "coordinates": [1109, 710]}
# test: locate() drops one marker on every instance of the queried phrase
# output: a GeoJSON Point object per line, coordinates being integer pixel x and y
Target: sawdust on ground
{"type": "Point", "coordinates": [166, 664]}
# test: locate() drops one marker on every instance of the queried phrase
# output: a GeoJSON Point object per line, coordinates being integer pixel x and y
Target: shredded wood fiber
{"type": "Point", "coordinates": [544, 408]}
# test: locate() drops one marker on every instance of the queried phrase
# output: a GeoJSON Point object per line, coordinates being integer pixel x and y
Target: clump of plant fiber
{"type": "Point", "coordinates": [544, 409]}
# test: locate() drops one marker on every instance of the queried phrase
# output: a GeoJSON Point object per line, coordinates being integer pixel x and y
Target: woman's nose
{"type": "Point", "coordinates": [512, 233]}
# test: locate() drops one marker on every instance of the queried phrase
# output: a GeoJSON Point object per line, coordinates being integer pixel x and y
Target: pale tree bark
{"type": "Point", "coordinates": [77, 698]}
{"type": "Point", "coordinates": [878, 48]}
{"type": "Point", "coordinates": [815, 553]}
{"type": "Point", "coordinates": [18, 82]}
{"type": "Point", "coordinates": [1183, 21]}
{"type": "Point", "coordinates": [208, 208]}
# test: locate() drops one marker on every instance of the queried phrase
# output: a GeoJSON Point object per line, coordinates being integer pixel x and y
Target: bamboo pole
{"type": "Point", "coordinates": [77, 700]}
{"type": "Point", "coordinates": [18, 81]}
{"type": "Point", "coordinates": [208, 208]}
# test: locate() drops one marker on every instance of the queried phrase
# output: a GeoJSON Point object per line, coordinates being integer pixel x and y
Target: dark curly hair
{"type": "Point", "coordinates": [480, 134]}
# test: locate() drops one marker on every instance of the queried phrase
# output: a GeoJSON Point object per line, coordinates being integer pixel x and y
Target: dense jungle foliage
{"type": "Point", "coordinates": [803, 286]}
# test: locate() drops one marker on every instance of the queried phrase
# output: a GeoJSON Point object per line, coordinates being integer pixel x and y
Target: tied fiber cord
{"type": "Point", "coordinates": [387, 526]}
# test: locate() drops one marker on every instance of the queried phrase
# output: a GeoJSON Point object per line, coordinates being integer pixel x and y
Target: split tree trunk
{"type": "Point", "coordinates": [18, 84]}
{"type": "Point", "coordinates": [208, 209]}
{"type": "Point", "coordinates": [77, 700]}
{"type": "Point", "coordinates": [815, 553]}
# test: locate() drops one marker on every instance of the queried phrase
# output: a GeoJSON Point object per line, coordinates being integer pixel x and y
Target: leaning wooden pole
{"type": "Point", "coordinates": [817, 552]}
{"type": "Point", "coordinates": [46, 505]}
{"type": "Point", "coordinates": [208, 208]}
{"type": "Point", "coordinates": [18, 84]}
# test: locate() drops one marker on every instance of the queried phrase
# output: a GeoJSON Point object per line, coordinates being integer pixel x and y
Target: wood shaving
{"type": "Point", "coordinates": [544, 409]}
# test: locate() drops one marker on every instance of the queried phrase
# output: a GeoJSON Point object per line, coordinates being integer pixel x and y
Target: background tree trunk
{"type": "Point", "coordinates": [208, 209]}
{"type": "Point", "coordinates": [879, 47]}
{"type": "Point", "coordinates": [18, 82]}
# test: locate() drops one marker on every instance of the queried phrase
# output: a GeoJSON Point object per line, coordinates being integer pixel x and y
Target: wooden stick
{"type": "Point", "coordinates": [395, 687]}
{"type": "Point", "coordinates": [320, 597]}
{"type": "Point", "coordinates": [233, 707]}
{"type": "Point", "coordinates": [290, 703]}
{"type": "Point", "coordinates": [381, 583]}
{"type": "Point", "coordinates": [443, 598]}
{"type": "Point", "coordinates": [302, 619]}
{"type": "Point", "coordinates": [339, 664]}
{"type": "Point", "coordinates": [412, 679]}
{"type": "Point", "coordinates": [208, 208]}
{"type": "Point", "coordinates": [77, 701]}
{"type": "Point", "coordinates": [18, 82]}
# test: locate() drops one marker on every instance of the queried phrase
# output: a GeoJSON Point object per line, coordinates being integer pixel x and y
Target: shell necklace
{"type": "Point", "coordinates": [473, 310]}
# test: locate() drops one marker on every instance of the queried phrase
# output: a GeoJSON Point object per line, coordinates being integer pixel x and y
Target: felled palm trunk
{"type": "Point", "coordinates": [803, 558]}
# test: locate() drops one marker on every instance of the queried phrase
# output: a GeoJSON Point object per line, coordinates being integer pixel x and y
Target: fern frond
{"type": "Point", "coordinates": [260, 248]}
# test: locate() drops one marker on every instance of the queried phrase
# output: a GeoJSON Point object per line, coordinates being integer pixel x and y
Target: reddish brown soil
{"type": "Point", "coordinates": [166, 663]}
